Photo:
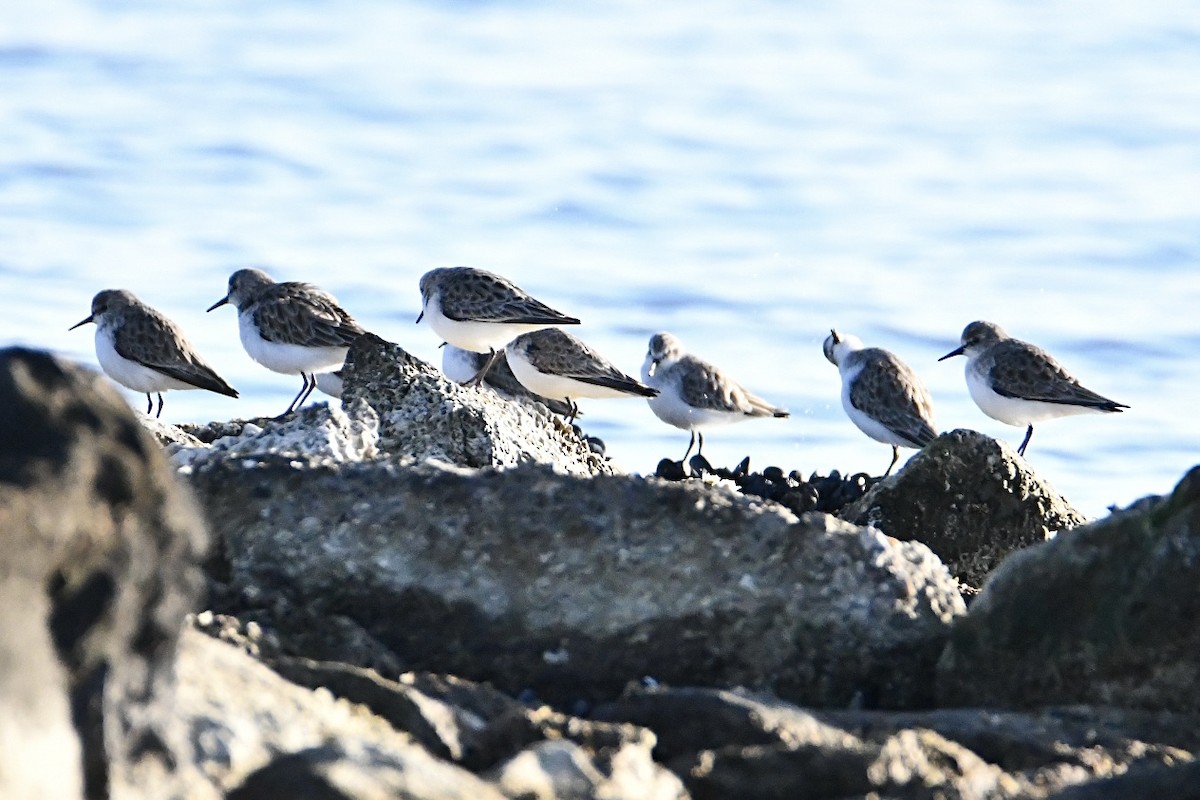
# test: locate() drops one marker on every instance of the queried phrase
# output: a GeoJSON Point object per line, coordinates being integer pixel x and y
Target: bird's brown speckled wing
{"type": "Point", "coordinates": [706, 386]}
{"type": "Point", "coordinates": [1022, 370]}
{"type": "Point", "coordinates": [490, 298]}
{"type": "Point", "coordinates": [888, 391]}
{"type": "Point", "coordinates": [501, 377]}
{"type": "Point", "coordinates": [151, 339]}
{"type": "Point", "coordinates": [558, 353]}
{"type": "Point", "coordinates": [300, 313]}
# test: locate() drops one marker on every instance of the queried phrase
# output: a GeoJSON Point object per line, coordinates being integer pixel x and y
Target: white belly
{"type": "Point", "coordinates": [131, 374]}
{"type": "Point", "coordinates": [458, 364]}
{"type": "Point", "coordinates": [289, 359]}
{"type": "Point", "coordinates": [330, 384]}
{"type": "Point", "coordinates": [671, 409]}
{"type": "Point", "coordinates": [478, 337]}
{"type": "Point", "coordinates": [868, 424]}
{"type": "Point", "coordinates": [556, 387]}
{"type": "Point", "coordinates": [1015, 411]}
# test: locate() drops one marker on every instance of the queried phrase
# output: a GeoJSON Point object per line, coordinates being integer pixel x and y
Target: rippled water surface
{"type": "Point", "coordinates": [746, 175]}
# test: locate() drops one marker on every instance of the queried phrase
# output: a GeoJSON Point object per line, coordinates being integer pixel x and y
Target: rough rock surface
{"type": "Point", "coordinates": [581, 585]}
{"type": "Point", "coordinates": [971, 499]}
{"type": "Point", "coordinates": [732, 744]}
{"type": "Point", "coordinates": [314, 435]}
{"type": "Point", "coordinates": [99, 566]}
{"type": "Point", "coordinates": [242, 717]}
{"type": "Point", "coordinates": [424, 415]}
{"type": "Point", "coordinates": [1108, 614]}
{"type": "Point", "coordinates": [396, 407]}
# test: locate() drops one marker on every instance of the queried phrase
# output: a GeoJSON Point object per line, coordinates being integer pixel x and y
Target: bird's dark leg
{"type": "Point", "coordinates": [1025, 441]}
{"type": "Point", "coordinates": [149, 403]}
{"type": "Point", "coordinates": [895, 458]}
{"type": "Point", "coordinates": [312, 384]}
{"type": "Point", "coordinates": [160, 405]}
{"type": "Point", "coordinates": [691, 444]}
{"type": "Point", "coordinates": [700, 439]}
{"type": "Point", "coordinates": [299, 398]}
{"type": "Point", "coordinates": [479, 376]}
{"type": "Point", "coordinates": [571, 404]}
{"type": "Point", "coordinates": [487, 367]}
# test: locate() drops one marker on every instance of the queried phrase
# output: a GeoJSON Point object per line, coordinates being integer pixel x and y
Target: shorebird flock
{"type": "Point", "coordinates": [495, 333]}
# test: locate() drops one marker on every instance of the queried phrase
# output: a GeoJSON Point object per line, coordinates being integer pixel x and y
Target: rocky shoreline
{"type": "Point", "coordinates": [438, 592]}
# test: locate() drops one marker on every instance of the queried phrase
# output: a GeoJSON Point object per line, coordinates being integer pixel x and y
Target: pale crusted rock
{"type": "Point", "coordinates": [424, 415]}
{"type": "Point", "coordinates": [316, 434]}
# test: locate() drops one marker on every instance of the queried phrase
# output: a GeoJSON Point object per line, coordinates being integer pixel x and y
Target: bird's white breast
{"type": "Point", "coordinates": [1014, 410]}
{"type": "Point", "coordinates": [671, 408]}
{"type": "Point", "coordinates": [289, 359]}
{"type": "Point", "coordinates": [862, 419]}
{"type": "Point", "coordinates": [478, 337]}
{"type": "Point", "coordinates": [458, 364]}
{"type": "Point", "coordinates": [128, 373]}
{"type": "Point", "coordinates": [558, 387]}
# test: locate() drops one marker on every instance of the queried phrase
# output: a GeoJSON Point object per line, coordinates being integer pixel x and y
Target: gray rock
{"type": "Point", "coordinates": [1105, 615]}
{"type": "Point", "coordinates": [256, 735]}
{"type": "Point", "coordinates": [529, 752]}
{"type": "Point", "coordinates": [100, 565]}
{"type": "Point", "coordinates": [1175, 781]}
{"type": "Point", "coordinates": [314, 435]}
{"type": "Point", "coordinates": [971, 499]}
{"type": "Point", "coordinates": [424, 415]}
{"type": "Point", "coordinates": [559, 769]}
{"type": "Point", "coordinates": [733, 744]}
{"type": "Point", "coordinates": [571, 587]}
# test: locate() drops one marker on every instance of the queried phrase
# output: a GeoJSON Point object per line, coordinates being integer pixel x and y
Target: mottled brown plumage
{"type": "Point", "coordinates": [468, 294]}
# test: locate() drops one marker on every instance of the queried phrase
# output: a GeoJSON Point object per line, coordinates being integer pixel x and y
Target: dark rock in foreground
{"type": "Point", "coordinates": [732, 744]}
{"type": "Point", "coordinates": [572, 587]}
{"type": "Point", "coordinates": [1109, 613]}
{"type": "Point", "coordinates": [99, 566]}
{"type": "Point", "coordinates": [971, 499]}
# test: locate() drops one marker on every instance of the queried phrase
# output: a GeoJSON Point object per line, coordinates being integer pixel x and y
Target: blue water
{"type": "Point", "coordinates": [745, 175]}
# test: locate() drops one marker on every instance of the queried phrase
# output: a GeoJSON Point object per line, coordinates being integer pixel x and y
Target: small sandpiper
{"type": "Point", "coordinates": [461, 366]}
{"type": "Point", "coordinates": [141, 349]}
{"type": "Point", "coordinates": [553, 363]}
{"type": "Point", "coordinates": [1019, 383]}
{"type": "Point", "coordinates": [882, 395]}
{"type": "Point", "coordinates": [694, 394]}
{"type": "Point", "coordinates": [292, 328]}
{"type": "Point", "coordinates": [481, 311]}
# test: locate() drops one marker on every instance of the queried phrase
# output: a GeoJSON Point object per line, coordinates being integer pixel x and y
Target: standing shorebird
{"type": "Point", "coordinates": [461, 366]}
{"type": "Point", "coordinates": [141, 349]}
{"type": "Point", "coordinates": [481, 311]}
{"type": "Point", "coordinates": [291, 328]}
{"type": "Point", "coordinates": [553, 363]}
{"type": "Point", "coordinates": [1019, 383]}
{"type": "Point", "coordinates": [882, 395]}
{"type": "Point", "coordinates": [694, 394]}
